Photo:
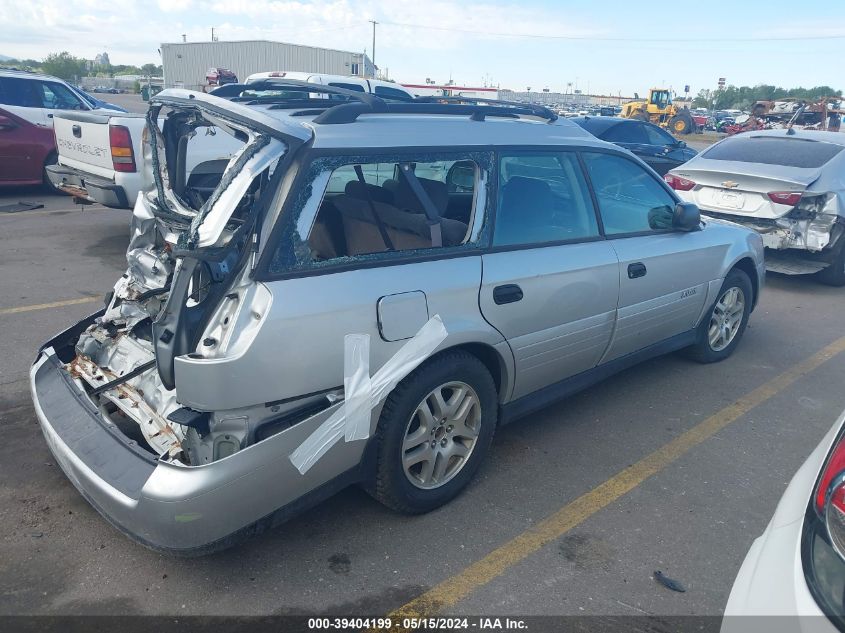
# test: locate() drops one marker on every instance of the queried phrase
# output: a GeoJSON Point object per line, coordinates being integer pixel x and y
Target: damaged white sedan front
{"type": "Point", "coordinates": [789, 186]}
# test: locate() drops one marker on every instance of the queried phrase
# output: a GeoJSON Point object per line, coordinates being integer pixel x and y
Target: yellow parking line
{"type": "Point", "coordinates": [54, 304]}
{"type": "Point", "coordinates": [452, 590]}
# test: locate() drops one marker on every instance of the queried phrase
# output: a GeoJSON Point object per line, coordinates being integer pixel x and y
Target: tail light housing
{"type": "Point", "coordinates": [677, 183]}
{"type": "Point", "coordinates": [790, 198]}
{"type": "Point", "coordinates": [122, 154]}
{"type": "Point", "coordinates": [829, 498]}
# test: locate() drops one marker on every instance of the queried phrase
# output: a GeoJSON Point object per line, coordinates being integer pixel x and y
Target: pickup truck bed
{"type": "Point", "coordinates": [90, 165]}
{"type": "Point", "coordinates": [101, 157]}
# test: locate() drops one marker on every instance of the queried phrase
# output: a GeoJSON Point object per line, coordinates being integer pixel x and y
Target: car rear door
{"type": "Point", "coordinates": [550, 283]}
{"type": "Point", "coordinates": [663, 273]}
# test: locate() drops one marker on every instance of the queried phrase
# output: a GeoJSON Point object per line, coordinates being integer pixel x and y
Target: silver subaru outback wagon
{"type": "Point", "coordinates": [362, 292]}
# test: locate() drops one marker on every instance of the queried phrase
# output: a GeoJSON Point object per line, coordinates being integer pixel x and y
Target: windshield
{"type": "Point", "coordinates": [771, 150]}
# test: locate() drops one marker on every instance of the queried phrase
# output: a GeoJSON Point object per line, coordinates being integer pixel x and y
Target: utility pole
{"type": "Point", "coordinates": [373, 22]}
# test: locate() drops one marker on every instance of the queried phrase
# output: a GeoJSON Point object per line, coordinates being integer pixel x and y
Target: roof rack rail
{"type": "Point", "coordinates": [357, 103]}
{"type": "Point", "coordinates": [233, 91]}
{"type": "Point", "coordinates": [349, 112]}
{"type": "Point", "coordinates": [538, 110]}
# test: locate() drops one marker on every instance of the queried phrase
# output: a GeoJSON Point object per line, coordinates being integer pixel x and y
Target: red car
{"type": "Point", "coordinates": [220, 77]}
{"type": "Point", "coordinates": [25, 149]}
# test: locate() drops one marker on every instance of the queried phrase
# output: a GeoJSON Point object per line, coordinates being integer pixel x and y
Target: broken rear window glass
{"type": "Point", "coordinates": [771, 150]}
{"type": "Point", "coordinates": [355, 210]}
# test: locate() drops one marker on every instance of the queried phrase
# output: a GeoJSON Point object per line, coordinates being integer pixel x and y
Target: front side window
{"type": "Point", "coordinates": [630, 199]}
{"type": "Point", "coordinates": [656, 136]}
{"type": "Point", "coordinates": [381, 208]}
{"type": "Point", "coordinates": [58, 97]}
{"type": "Point", "coordinates": [543, 198]}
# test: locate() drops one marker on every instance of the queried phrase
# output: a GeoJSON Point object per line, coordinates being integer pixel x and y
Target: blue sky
{"type": "Point", "coordinates": [619, 46]}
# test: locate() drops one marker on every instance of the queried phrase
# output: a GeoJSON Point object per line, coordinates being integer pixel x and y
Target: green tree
{"type": "Point", "coordinates": [64, 66]}
{"type": "Point", "coordinates": [151, 70]}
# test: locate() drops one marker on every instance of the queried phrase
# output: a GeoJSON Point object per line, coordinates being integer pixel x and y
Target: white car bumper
{"type": "Point", "coordinates": [770, 593]}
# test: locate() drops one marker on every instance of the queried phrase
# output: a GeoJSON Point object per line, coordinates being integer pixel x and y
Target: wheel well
{"type": "Point", "coordinates": [747, 266]}
{"type": "Point", "coordinates": [489, 357]}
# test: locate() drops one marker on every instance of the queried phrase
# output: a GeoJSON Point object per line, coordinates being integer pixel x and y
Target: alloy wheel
{"type": "Point", "coordinates": [441, 434]}
{"type": "Point", "coordinates": [726, 319]}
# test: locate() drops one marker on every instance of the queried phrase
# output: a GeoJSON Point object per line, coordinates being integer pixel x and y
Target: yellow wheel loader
{"type": "Point", "coordinates": [658, 109]}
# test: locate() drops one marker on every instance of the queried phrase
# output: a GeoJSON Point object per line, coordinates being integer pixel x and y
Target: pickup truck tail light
{"type": "Point", "coordinates": [790, 198]}
{"type": "Point", "coordinates": [677, 183]}
{"type": "Point", "coordinates": [122, 156]}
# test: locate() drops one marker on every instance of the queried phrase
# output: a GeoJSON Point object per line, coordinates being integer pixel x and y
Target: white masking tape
{"type": "Point", "coordinates": [362, 393]}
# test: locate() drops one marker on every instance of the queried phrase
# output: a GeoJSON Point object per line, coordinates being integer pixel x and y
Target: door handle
{"type": "Point", "coordinates": [77, 131]}
{"type": "Point", "coordinates": [637, 269]}
{"type": "Point", "coordinates": [509, 293]}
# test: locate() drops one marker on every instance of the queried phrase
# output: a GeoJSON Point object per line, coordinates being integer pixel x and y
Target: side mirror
{"type": "Point", "coordinates": [681, 144]}
{"type": "Point", "coordinates": [7, 124]}
{"type": "Point", "coordinates": [687, 217]}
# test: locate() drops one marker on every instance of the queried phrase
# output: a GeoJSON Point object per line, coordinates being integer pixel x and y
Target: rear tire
{"type": "Point", "coordinates": [412, 445]}
{"type": "Point", "coordinates": [720, 332]}
{"type": "Point", "coordinates": [834, 275]}
{"type": "Point", "coordinates": [51, 159]}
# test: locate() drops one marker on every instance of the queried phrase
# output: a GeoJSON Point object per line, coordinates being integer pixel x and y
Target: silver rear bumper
{"type": "Point", "coordinates": [180, 509]}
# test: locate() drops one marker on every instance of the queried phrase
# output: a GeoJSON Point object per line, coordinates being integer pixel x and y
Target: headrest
{"type": "Point", "coordinates": [405, 198]}
{"type": "Point", "coordinates": [523, 195]}
{"type": "Point", "coordinates": [358, 189]}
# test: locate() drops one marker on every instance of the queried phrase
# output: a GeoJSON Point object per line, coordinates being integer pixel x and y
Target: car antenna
{"type": "Point", "coordinates": [794, 118]}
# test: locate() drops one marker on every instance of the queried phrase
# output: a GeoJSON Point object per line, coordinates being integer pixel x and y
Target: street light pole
{"type": "Point", "coordinates": [373, 22]}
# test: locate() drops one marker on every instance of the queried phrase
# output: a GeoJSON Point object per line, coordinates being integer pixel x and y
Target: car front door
{"type": "Point", "coordinates": [664, 273]}
{"type": "Point", "coordinates": [550, 283]}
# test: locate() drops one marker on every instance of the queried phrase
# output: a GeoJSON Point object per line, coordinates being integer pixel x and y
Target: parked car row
{"type": "Point", "coordinates": [28, 104]}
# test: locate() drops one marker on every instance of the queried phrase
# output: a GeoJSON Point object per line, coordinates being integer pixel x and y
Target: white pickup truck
{"type": "Point", "coordinates": [101, 156]}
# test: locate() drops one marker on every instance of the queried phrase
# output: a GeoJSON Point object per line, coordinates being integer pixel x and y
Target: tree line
{"type": "Point", "coordinates": [65, 66]}
{"type": "Point", "coordinates": [743, 97]}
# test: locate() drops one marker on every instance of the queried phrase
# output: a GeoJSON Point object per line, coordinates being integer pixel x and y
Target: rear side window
{"type": "Point", "coordinates": [626, 133]}
{"type": "Point", "coordinates": [630, 199]}
{"type": "Point", "coordinates": [543, 198]}
{"type": "Point", "coordinates": [771, 150]}
{"type": "Point", "coordinates": [16, 91]}
{"type": "Point", "coordinates": [351, 210]}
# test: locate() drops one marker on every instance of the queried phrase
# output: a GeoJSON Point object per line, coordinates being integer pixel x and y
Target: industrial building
{"type": "Point", "coordinates": [186, 63]}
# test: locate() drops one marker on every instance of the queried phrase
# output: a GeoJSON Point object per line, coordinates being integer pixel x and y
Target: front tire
{"type": "Point", "coordinates": [720, 332]}
{"type": "Point", "coordinates": [681, 124]}
{"type": "Point", "coordinates": [434, 431]}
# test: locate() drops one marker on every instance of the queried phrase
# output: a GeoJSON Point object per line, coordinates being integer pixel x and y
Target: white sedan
{"type": "Point", "coordinates": [797, 567]}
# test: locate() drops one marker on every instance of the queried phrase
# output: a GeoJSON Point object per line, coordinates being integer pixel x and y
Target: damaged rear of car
{"type": "Point", "coordinates": [789, 186]}
{"type": "Point", "coordinates": [104, 390]}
